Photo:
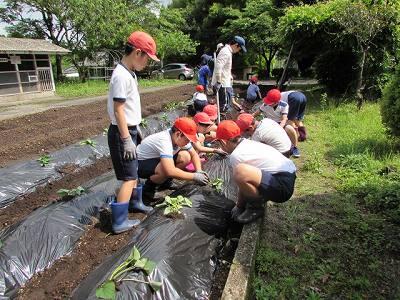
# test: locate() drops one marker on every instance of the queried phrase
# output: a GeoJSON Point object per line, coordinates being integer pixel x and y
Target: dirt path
{"type": "Point", "coordinates": [32, 135]}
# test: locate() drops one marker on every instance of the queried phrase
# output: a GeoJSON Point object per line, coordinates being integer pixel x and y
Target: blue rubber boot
{"type": "Point", "coordinates": [120, 221]}
{"type": "Point", "coordinates": [136, 202]}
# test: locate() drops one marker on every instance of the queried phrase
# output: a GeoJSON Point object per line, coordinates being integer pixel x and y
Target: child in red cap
{"type": "Point", "coordinates": [253, 94]}
{"type": "Point", "coordinates": [164, 155]}
{"type": "Point", "coordinates": [125, 114]}
{"type": "Point", "coordinates": [204, 128]}
{"type": "Point", "coordinates": [275, 109]}
{"type": "Point", "coordinates": [260, 171]}
{"type": "Point", "coordinates": [265, 131]}
{"type": "Point", "coordinates": [199, 99]}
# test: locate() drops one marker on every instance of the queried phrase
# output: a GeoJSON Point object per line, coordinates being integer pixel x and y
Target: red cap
{"type": "Point", "coordinates": [212, 111]}
{"type": "Point", "coordinates": [203, 118]}
{"type": "Point", "coordinates": [227, 130]}
{"type": "Point", "coordinates": [143, 41]}
{"type": "Point", "coordinates": [199, 88]}
{"type": "Point", "coordinates": [273, 96]}
{"type": "Point", "coordinates": [244, 121]}
{"type": "Point", "coordinates": [187, 127]}
{"type": "Point", "coordinates": [254, 79]}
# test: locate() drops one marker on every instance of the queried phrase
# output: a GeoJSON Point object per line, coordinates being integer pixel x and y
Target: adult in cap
{"type": "Point", "coordinates": [260, 171]}
{"type": "Point", "coordinates": [222, 76]}
{"type": "Point", "coordinates": [124, 110]}
{"type": "Point", "coordinates": [163, 156]}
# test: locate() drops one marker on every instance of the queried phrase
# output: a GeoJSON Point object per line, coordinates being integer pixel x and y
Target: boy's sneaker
{"type": "Point", "coordinates": [295, 152]}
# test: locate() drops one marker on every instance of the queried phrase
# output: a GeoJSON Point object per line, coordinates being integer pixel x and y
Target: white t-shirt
{"type": "Point", "coordinates": [159, 145]}
{"type": "Point", "coordinates": [261, 156]}
{"type": "Point", "coordinates": [223, 67]}
{"type": "Point", "coordinates": [275, 113]}
{"type": "Point", "coordinates": [199, 96]}
{"type": "Point", "coordinates": [271, 133]}
{"type": "Point", "coordinates": [124, 88]}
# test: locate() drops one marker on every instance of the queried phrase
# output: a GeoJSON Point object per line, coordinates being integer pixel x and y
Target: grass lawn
{"type": "Point", "coordinates": [99, 87]}
{"type": "Point", "coordinates": [339, 236]}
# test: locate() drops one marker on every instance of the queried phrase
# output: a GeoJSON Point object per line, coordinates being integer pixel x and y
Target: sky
{"type": "Point", "coordinates": [3, 25]}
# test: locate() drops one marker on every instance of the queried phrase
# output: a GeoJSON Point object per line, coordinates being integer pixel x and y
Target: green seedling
{"type": "Point", "coordinates": [164, 118]}
{"type": "Point", "coordinates": [174, 105]}
{"type": "Point", "coordinates": [44, 160]}
{"type": "Point", "coordinates": [217, 184]}
{"type": "Point", "coordinates": [136, 263]}
{"type": "Point", "coordinates": [174, 205]}
{"type": "Point", "coordinates": [105, 131]}
{"type": "Point", "coordinates": [259, 117]}
{"type": "Point", "coordinates": [144, 123]}
{"type": "Point", "coordinates": [88, 142]}
{"type": "Point", "coordinates": [71, 193]}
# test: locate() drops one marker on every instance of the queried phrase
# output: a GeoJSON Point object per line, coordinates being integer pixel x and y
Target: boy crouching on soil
{"type": "Point", "coordinates": [125, 113]}
{"type": "Point", "coordinates": [164, 155]}
{"type": "Point", "coordinates": [260, 171]}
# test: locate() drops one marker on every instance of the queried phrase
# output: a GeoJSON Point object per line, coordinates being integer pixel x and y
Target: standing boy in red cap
{"type": "Point", "coordinates": [260, 171]}
{"type": "Point", "coordinates": [164, 155]}
{"type": "Point", "coordinates": [265, 131]}
{"type": "Point", "coordinates": [277, 110]}
{"type": "Point", "coordinates": [124, 110]}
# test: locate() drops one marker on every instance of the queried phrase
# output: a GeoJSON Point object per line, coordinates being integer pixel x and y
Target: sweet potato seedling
{"type": "Point", "coordinates": [71, 193]}
{"type": "Point", "coordinates": [44, 160]}
{"type": "Point", "coordinates": [144, 123]}
{"type": "Point", "coordinates": [88, 142]}
{"type": "Point", "coordinates": [217, 184]}
{"type": "Point", "coordinates": [135, 262]}
{"type": "Point", "coordinates": [174, 205]}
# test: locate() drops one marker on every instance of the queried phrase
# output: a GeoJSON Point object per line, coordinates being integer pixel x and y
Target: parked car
{"type": "Point", "coordinates": [175, 71]}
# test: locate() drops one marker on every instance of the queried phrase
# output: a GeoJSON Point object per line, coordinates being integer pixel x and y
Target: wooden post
{"type": "Point", "coordinates": [19, 79]}
{"type": "Point", "coordinates": [281, 80]}
{"type": "Point", "coordinates": [51, 74]}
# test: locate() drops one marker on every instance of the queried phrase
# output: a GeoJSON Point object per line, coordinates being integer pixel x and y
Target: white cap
{"type": "Point", "coordinates": [220, 45]}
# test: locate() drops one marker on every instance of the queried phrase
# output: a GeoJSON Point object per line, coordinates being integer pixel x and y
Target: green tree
{"type": "Point", "coordinates": [82, 26]}
{"type": "Point", "coordinates": [390, 105]}
{"type": "Point", "coordinates": [257, 22]}
{"type": "Point", "coordinates": [362, 23]}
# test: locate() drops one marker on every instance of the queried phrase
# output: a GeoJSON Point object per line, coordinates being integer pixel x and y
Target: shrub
{"type": "Point", "coordinates": [390, 105]}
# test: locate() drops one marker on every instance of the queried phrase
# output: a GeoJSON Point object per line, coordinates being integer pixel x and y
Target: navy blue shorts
{"type": "Point", "coordinates": [124, 169]}
{"type": "Point", "coordinates": [277, 187]}
{"type": "Point", "coordinates": [297, 105]}
{"type": "Point", "coordinates": [199, 105]}
{"type": "Point", "coordinates": [147, 167]}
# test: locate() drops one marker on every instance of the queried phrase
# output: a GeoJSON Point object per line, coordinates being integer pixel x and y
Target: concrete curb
{"type": "Point", "coordinates": [238, 284]}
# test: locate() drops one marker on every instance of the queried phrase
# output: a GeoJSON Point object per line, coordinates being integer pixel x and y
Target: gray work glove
{"type": "Point", "coordinates": [236, 211]}
{"type": "Point", "coordinates": [201, 178]}
{"type": "Point", "coordinates": [217, 86]}
{"type": "Point", "coordinates": [129, 148]}
{"type": "Point", "coordinates": [220, 152]}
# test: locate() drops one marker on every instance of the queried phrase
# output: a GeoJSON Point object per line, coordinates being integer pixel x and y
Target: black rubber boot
{"type": "Point", "coordinates": [254, 210]}
{"type": "Point", "coordinates": [149, 189]}
{"type": "Point", "coordinates": [168, 185]}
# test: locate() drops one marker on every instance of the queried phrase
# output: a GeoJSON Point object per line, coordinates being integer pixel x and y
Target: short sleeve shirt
{"type": "Point", "coordinates": [261, 156]}
{"type": "Point", "coordinates": [124, 88]}
{"type": "Point", "coordinates": [275, 113]}
{"type": "Point", "coordinates": [271, 133]}
{"type": "Point", "coordinates": [252, 91]}
{"type": "Point", "coordinates": [159, 145]}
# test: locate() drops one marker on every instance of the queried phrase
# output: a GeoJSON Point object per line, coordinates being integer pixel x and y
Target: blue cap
{"type": "Point", "coordinates": [241, 42]}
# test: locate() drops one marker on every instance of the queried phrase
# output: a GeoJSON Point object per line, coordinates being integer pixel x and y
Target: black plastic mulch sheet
{"type": "Point", "coordinates": [183, 249]}
{"type": "Point", "coordinates": [219, 167]}
{"type": "Point", "coordinates": [47, 234]}
{"type": "Point", "coordinates": [23, 178]}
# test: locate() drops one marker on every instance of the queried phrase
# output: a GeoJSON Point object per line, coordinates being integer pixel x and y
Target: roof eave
{"type": "Point", "coordinates": [33, 52]}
